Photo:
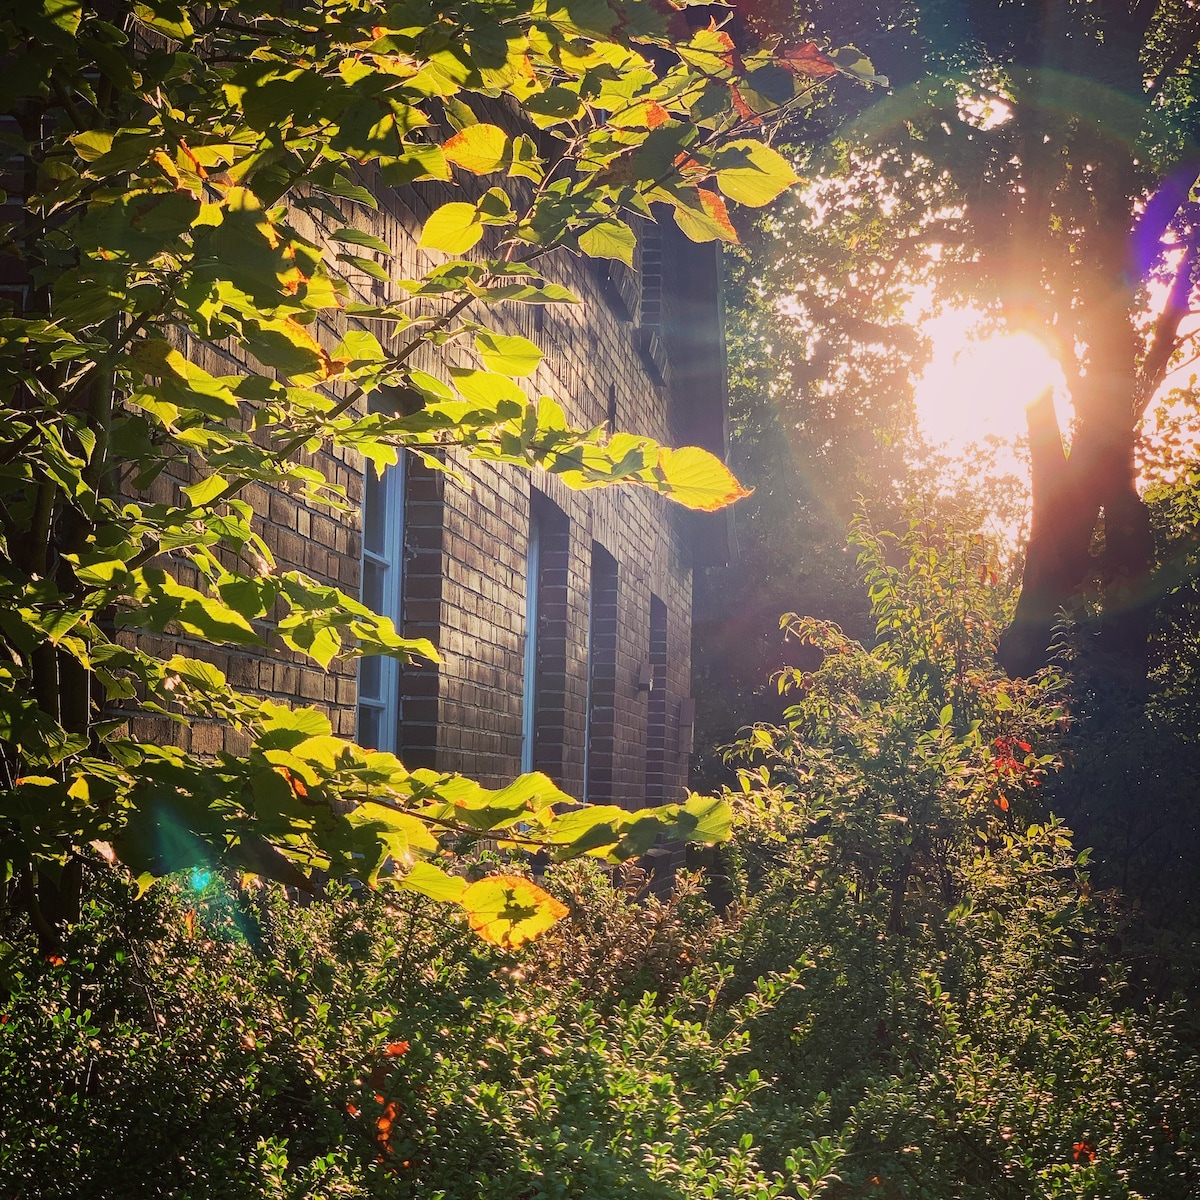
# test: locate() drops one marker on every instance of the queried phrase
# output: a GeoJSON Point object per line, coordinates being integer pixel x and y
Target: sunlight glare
{"type": "Point", "coordinates": [973, 389]}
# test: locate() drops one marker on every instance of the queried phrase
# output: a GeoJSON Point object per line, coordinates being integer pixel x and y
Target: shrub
{"type": "Point", "coordinates": [217, 1046]}
{"type": "Point", "coordinates": [956, 1007]}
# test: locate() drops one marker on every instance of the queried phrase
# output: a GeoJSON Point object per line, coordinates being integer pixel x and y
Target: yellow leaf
{"type": "Point", "coordinates": [509, 910]}
{"type": "Point", "coordinates": [454, 228]}
{"type": "Point", "coordinates": [693, 477]}
{"type": "Point", "coordinates": [478, 148]}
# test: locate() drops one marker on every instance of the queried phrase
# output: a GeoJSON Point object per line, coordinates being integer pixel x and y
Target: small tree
{"type": "Point", "coordinates": [159, 150]}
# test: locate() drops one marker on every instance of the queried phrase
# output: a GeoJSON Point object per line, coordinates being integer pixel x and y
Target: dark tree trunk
{"type": "Point", "coordinates": [1092, 490]}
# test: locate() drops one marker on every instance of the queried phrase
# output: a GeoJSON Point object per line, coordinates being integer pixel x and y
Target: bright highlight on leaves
{"type": "Point", "coordinates": [509, 910]}
{"type": "Point", "coordinates": [752, 173]}
{"type": "Point", "coordinates": [224, 225]}
{"type": "Point", "coordinates": [512, 356]}
{"type": "Point", "coordinates": [478, 149]}
{"type": "Point", "coordinates": [697, 479]}
{"type": "Point", "coordinates": [454, 228]}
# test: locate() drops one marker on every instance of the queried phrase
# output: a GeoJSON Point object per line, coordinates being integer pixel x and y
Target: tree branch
{"type": "Point", "coordinates": [1165, 341]}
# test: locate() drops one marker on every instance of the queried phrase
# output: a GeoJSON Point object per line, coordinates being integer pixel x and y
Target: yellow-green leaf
{"type": "Point", "coordinates": [478, 148]}
{"type": "Point", "coordinates": [454, 228]}
{"type": "Point", "coordinates": [488, 389]}
{"type": "Point", "coordinates": [207, 490]}
{"type": "Point", "coordinates": [509, 910]}
{"type": "Point", "coordinates": [512, 356]}
{"type": "Point", "coordinates": [356, 237]}
{"type": "Point", "coordinates": [609, 239]}
{"type": "Point", "coordinates": [433, 882]}
{"type": "Point", "coordinates": [751, 173]}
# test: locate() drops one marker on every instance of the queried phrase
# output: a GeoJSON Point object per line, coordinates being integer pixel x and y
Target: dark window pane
{"type": "Point", "coordinates": [374, 511]}
{"type": "Point", "coordinates": [370, 678]}
{"type": "Point", "coordinates": [372, 585]}
{"type": "Point", "coordinates": [368, 726]}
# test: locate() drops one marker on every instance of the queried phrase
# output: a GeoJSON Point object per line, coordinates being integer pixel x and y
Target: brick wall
{"type": "Point", "coordinates": [465, 552]}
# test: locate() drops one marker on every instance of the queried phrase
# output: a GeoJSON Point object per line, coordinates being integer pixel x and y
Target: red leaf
{"type": "Point", "coordinates": [395, 1049]}
{"type": "Point", "coordinates": [808, 61]}
{"type": "Point", "coordinates": [1085, 1152]}
{"type": "Point", "coordinates": [743, 109]}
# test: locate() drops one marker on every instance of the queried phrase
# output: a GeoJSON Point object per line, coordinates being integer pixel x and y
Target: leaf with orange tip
{"type": "Point", "coordinates": [510, 910]}
{"type": "Point", "coordinates": [696, 478]}
{"type": "Point", "coordinates": [708, 220]}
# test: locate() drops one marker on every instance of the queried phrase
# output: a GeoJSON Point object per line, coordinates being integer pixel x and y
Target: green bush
{"type": "Point", "coordinates": [210, 1046]}
{"type": "Point", "coordinates": [914, 992]}
{"type": "Point", "coordinates": [956, 1006]}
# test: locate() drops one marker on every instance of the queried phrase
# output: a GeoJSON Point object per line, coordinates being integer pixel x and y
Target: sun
{"type": "Point", "coordinates": [977, 387]}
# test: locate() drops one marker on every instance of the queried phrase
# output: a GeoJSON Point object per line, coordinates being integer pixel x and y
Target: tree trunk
{"type": "Point", "coordinates": [1074, 496]}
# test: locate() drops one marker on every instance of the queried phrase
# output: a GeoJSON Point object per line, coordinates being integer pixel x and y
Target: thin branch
{"type": "Point", "coordinates": [1165, 340]}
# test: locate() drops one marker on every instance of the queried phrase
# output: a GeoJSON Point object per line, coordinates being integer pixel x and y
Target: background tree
{"type": "Point", "coordinates": [1061, 145]}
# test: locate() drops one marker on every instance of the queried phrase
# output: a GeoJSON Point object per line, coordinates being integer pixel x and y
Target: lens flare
{"type": "Point", "coordinates": [976, 389]}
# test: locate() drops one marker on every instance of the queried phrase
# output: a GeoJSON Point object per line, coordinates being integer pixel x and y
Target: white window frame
{"type": "Point", "coordinates": [533, 571]}
{"type": "Point", "coordinates": [391, 559]}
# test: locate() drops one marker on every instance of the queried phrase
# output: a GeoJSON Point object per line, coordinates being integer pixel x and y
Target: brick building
{"type": "Point", "coordinates": [563, 618]}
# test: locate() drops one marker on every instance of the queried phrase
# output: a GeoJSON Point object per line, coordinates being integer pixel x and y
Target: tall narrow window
{"type": "Point", "coordinates": [656, 713]}
{"type": "Point", "coordinates": [600, 735]}
{"type": "Point", "coordinates": [382, 579]}
{"type": "Point", "coordinates": [543, 706]}
{"type": "Point", "coordinates": [533, 572]}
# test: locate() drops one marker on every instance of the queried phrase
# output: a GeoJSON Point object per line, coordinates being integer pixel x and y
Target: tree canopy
{"type": "Point", "coordinates": [1057, 150]}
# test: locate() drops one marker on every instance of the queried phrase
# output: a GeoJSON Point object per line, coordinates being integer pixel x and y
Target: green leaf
{"type": "Point", "coordinates": [513, 356]}
{"type": "Point", "coordinates": [433, 882]}
{"type": "Point", "coordinates": [751, 173]}
{"type": "Point", "coordinates": [368, 266]}
{"type": "Point", "coordinates": [65, 14]}
{"type": "Point", "coordinates": [286, 345]}
{"type": "Point", "coordinates": [91, 144]}
{"type": "Point", "coordinates": [609, 239]}
{"type": "Point", "coordinates": [356, 237]}
{"type": "Point", "coordinates": [454, 228]}
{"type": "Point", "coordinates": [416, 163]}
{"type": "Point", "coordinates": [705, 819]}
{"type": "Point", "coordinates": [165, 17]}
{"type": "Point", "coordinates": [286, 727]}
{"type": "Point", "coordinates": [478, 148]}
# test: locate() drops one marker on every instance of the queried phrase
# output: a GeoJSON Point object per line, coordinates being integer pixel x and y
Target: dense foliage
{"type": "Point", "coordinates": [909, 989]}
{"type": "Point", "coordinates": [172, 168]}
